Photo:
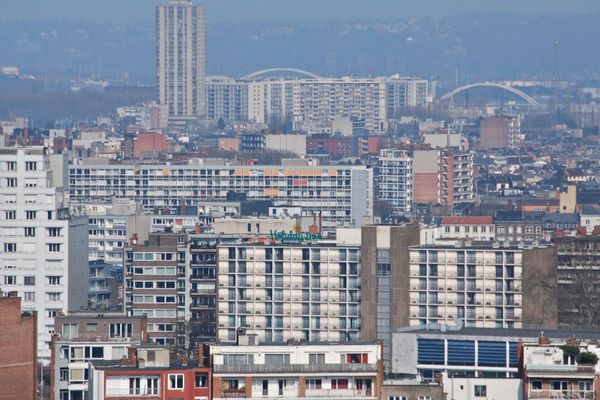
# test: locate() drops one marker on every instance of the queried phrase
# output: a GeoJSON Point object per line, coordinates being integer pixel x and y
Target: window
{"type": "Point", "coordinates": [28, 296]}
{"type": "Point", "coordinates": [11, 165]}
{"type": "Point", "coordinates": [64, 395]}
{"type": "Point", "coordinates": [397, 398]}
{"type": "Point", "coordinates": [51, 296]}
{"type": "Point", "coordinates": [339, 383]}
{"type": "Point", "coordinates": [277, 359]}
{"type": "Point", "coordinates": [120, 330]}
{"type": "Point", "coordinates": [238, 359]}
{"type": "Point", "coordinates": [53, 232]}
{"type": "Point", "coordinates": [175, 381]}
{"type": "Point", "coordinates": [30, 214]}
{"type": "Point", "coordinates": [10, 280]}
{"type": "Point", "coordinates": [64, 374]}
{"type": "Point", "coordinates": [53, 280]}
{"type": "Point", "coordinates": [316, 359]}
{"type": "Point", "coordinates": [11, 182]}
{"type": "Point", "coordinates": [536, 385]}
{"type": "Point", "coordinates": [53, 247]}
{"type": "Point", "coordinates": [29, 232]}
{"type": "Point", "coordinates": [201, 380]}
{"type": "Point", "coordinates": [314, 384]}
{"type": "Point", "coordinates": [69, 331]}
{"type": "Point", "coordinates": [10, 247]}
{"type": "Point", "coordinates": [10, 214]}
{"type": "Point", "coordinates": [29, 280]}
{"type": "Point", "coordinates": [480, 390]}
{"type": "Point", "coordinates": [356, 358]}
{"type": "Point", "coordinates": [91, 327]}
{"type": "Point", "coordinates": [30, 165]}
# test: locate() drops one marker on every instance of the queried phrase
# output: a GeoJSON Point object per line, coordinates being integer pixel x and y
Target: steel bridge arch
{"type": "Point", "coordinates": [269, 70]}
{"type": "Point", "coordinates": [510, 89]}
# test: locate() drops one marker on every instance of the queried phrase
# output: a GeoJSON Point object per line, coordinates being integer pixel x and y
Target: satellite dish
{"type": "Point", "coordinates": [419, 378]}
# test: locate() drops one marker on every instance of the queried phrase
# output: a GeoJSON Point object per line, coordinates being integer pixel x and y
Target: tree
{"type": "Point", "coordinates": [587, 358]}
{"type": "Point", "coordinates": [579, 300]}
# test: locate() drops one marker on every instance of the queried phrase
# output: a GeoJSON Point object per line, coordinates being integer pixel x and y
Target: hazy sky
{"type": "Point", "coordinates": [285, 10]}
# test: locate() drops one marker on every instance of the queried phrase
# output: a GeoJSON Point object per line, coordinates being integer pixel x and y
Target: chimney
{"type": "Point", "coordinates": [543, 340]}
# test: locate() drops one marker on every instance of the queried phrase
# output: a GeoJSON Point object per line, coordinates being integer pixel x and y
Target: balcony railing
{"type": "Point", "coordinates": [146, 393]}
{"type": "Point", "coordinates": [561, 394]}
{"type": "Point", "coordinates": [339, 393]}
{"type": "Point", "coordinates": [293, 368]}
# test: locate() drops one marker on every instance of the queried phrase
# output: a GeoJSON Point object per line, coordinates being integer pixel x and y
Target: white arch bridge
{"type": "Point", "coordinates": [510, 89]}
{"type": "Point", "coordinates": [271, 70]}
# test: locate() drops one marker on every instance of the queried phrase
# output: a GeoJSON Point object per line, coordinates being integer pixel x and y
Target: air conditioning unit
{"type": "Point", "coordinates": [478, 303]}
{"type": "Point", "coordinates": [487, 289]}
{"type": "Point", "coordinates": [221, 284]}
{"type": "Point", "coordinates": [450, 302]}
{"type": "Point", "coordinates": [258, 312]}
{"type": "Point", "coordinates": [221, 298]}
{"type": "Point", "coordinates": [479, 289]}
{"type": "Point", "coordinates": [287, 313]}
{"type": "Point", "coordinates": [440, 302]}
{"type": "Point", "coordinates": [487, 303]}
{"type": "Point", "coordinates": [517, 304]}
{"type": "Point", "coordinates": [414, 315]}
{"type": "Point", "coordinates": [296, 313]}
{"type": "Point", "coordinates": [487, 317]}
{"type": "Point", "coordinates": [258, 285]}
{"type": "Point", "coordinates": [296, 286]}
{"type": "Point", "coordinates": [414, 302]}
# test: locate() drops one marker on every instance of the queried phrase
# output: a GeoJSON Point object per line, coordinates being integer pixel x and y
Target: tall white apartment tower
{"type": "Point", "coordinates": [44, 249]}
{"type": "Point", "coordinates": [180, 58]}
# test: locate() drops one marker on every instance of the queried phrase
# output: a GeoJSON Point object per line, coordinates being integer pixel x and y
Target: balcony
{"type": "Point", "coordinates": [144, 393]}
{"type": "Point", "coordinates": [340, 393]}
{"type": "Point", "coordinates": [234, 393]}
{"type": "Point", "coordinates": [294, 368]}
{"type": "Point", "coordinates": [560, 394]}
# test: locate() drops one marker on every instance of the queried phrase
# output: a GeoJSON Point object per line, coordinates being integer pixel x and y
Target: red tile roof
{"type": "Point", "coordinates": [468, 220]}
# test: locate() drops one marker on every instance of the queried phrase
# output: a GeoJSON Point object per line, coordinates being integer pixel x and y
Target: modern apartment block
{"type": "Point", "coordinates": [148, 372]}
{"type": "Point", "coordinates": [84, 337]}
{"type": "Point", "coordinates": [577, 273]}
{"type": "Point", "coordinates": [155, 286]}
{"type": "Point", "coordinates": [297, 371]}
{"type": "Point", "coordinates": [443, 176]}
{"type": "Point", "coordinates": [18, 363]}
{"type": "Point", "coordinates": [111, 226]}
{"type": "Point", "coordinates": [226, 98]}
{"type": "Point", "coordinates": [306, 291]}
{"type": "Point", "coordinates": [44, 248]}
{"type": "Point", "coordinates": [500, 131]}
{"type": "Point", "coordinates": [483, 284]}
{"type": "Point", "coordinates": [316, 102]}
{"type": "Point", "coordinates": [403, 93]}
{"type": "Point", "coordinates": [384, 279]}
{"type": "Point", "coordinates": [181, 58]}
{"type": "Point", "coordinates": [340, 195]}
{"type": "Point", "coordinates": [395, 179]}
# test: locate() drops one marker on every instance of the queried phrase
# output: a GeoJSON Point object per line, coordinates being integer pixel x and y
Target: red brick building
{"type": "Point", "coordinates": [18, 340]}
{"type": "Point", "coordinates": [151, 142]}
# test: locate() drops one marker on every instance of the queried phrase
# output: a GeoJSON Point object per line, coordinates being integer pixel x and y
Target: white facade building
{"type": "Point", "coordinates": [44, 249]}
{"type": "Point", "coordinates": [395, 179]}
{"type": "Point", "coordinates": [180, 58]}
{"type": "Point", "coordinates": [280, 292]}
{"type": "Point", "coordinates": [297, 371]}
{"type": "Point", "coordinates": [341, 195]}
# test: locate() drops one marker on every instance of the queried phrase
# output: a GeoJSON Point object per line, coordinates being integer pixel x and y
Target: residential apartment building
{"type": "Point", "coordinates": [395, 179]}
{"type": "Point", "coordinates": [306, 291]}
{"type": "Point", "coordinates": [577, 268]}
{"type": "Point", "coordinates": [111, 226]}
{"type": "Point", "coordinates": [443, 176]}
{"type": "Point", "coordinates": [155, 286]}
{"type": "Point", "coordinates": [43, 247]}
{"type": "Point", "coordinates": [149, 373]}
{"type": "Point", "coordinates": [500, 132]}
{"type": "Point", "coordinates": [470, 227]}
{"type": "Point", "coordinates": [226, 98]}
{"type": "Point", "coordinates": [18, 360]}
{"type": "Point", "coordinates": [181, 58]}
{"type": "Point", "coordinates": [340, 195]}
{"type": "Point", "coordinates": [566, 369]}
{"type": "Point", "coordinates": [403, 93]}
{"type": "Point", "coordinates": [516, 226]}
{"type": "Point", "coordinates": [297, 371]}
{"type": "Point", "coordinates": [483, 284]}
{"type": "Point", "coordinates": [106, 286]}
{"type": "Point", "coordinates": [84, 337]}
